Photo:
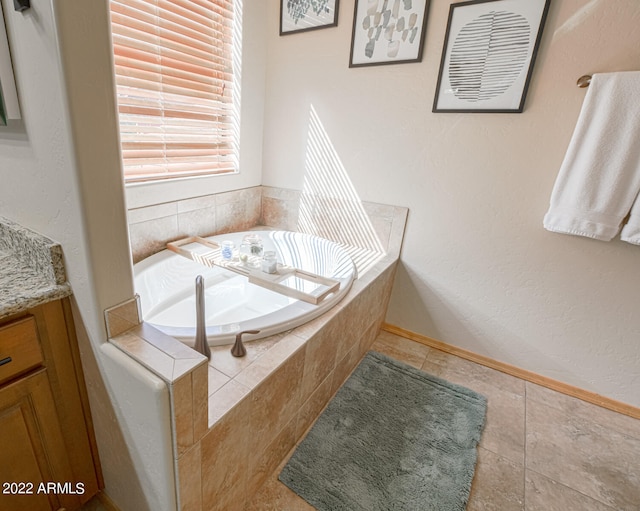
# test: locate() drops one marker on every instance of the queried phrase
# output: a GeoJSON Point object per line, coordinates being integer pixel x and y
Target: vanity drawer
{"type": "Point", "coordinates": [19, 348]}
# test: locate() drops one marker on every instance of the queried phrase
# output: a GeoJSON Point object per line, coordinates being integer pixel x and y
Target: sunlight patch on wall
{"type": "Point", "coordinates": [580, 16]}
{"type": "Point", "coordinates": [329, 204]}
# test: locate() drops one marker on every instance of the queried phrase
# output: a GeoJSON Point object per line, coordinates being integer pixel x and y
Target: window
{"type": "Point", "coordinates": [177, 87]}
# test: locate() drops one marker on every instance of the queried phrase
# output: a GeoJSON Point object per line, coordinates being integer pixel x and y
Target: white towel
{"type": "Point", "coordinates": [631, 231]}
{"type": "Point", "coordinates": [599, 179]}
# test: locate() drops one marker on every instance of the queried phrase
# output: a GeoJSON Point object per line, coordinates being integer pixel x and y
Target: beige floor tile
{"type": "Point", "coordinates": [581, 454]}
{"type": "Point", "coordinates": [578, 457]}
{"type": "Point", "coordinates": [464, 372]}
{"type": "Point", "coordinates": [504, 431]}
{"type": "Point", "coordinates": [498, 484]}
{"type": "Point", "coordinates": [275, 496]}
{"type": "Point", "coordinates": [573, 406]}
{"type": "Point", "coordinates": [409, 352]}
{"type": "Point", "coordinates": [543, 494]}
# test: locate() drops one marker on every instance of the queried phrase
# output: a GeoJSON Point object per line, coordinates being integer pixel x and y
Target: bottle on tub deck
{"type": "Point", "coordinates": [227, 249]}
{"type": "Point", "coordinates": [251, 250]}
{"type": "Point", "coordinates": [269, 262]}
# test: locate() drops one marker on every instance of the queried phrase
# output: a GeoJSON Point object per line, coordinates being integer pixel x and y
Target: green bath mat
{"type": "Point", "coordinates": [392, 438]}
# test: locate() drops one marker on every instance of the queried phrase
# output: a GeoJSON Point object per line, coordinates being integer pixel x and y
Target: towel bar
{"type": "Point", "coordinates": [584, 81]}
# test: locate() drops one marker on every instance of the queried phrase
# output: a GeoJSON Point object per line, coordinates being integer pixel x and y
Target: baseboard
{"type": "Point", "coordinates": [544, 381]}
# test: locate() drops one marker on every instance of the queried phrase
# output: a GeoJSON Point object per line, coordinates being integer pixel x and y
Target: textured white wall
{"type": "Point", "coordinates": [478, 270]}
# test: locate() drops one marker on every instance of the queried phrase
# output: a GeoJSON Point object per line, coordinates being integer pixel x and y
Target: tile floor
{"type": "Point", "coordinates": [540, 450]}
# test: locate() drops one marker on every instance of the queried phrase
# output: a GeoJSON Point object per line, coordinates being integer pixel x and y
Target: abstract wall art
{"type": "Point", "coordinates": [488, 56]}
{"type": "Point", "coordinates": [9, 107]}
{"type": "Point", "coordinates": [388, 32]}
{"type": "Point", "coordinates": [303, 15]}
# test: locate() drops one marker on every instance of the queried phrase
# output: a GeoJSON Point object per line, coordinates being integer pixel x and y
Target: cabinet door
{"type": "Point", "coordinates": [31, 448]}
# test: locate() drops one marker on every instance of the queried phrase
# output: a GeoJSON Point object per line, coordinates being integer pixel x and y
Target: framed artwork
{"type": "Point", "coordinates": [388, 32]}
{"type": "Point", "coordinates": [9, 107]}
{"type": "Point", "coordinates": [489, 51]}
{"type": "Point", "coordinates": [303, 15]}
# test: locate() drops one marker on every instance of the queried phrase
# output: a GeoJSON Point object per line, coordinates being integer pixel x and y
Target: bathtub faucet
{"type": "Point", "coordinates": [201, 345]}
{"type": "Point", "coordinates": [238, 349]}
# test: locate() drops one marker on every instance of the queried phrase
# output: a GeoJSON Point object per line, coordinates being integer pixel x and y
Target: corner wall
{"type": "Point", "coordinates": [61, 176]}
{"type": "Point", "coordinates": [478, 270]}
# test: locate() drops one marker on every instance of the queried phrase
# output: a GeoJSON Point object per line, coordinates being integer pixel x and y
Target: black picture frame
{"type": "Point", "coordinates": [376, 37]}
{"type": "Point", "coordinates": [302, 16]}
{"type": "Point", "coordinates": [478, 76]}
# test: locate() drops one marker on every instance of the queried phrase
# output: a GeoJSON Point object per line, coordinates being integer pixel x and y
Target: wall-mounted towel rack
{"type": "Point", "coordinates": [584, 81]}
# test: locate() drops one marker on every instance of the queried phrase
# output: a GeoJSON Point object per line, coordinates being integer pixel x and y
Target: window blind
{"type": "Point", "coordinates": [175, 87]}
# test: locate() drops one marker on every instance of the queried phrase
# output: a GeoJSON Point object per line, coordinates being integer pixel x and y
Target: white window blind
{"type": "Point", "coordinates": [174, 66]}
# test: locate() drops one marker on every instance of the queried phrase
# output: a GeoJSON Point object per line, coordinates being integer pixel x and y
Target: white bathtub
{"type": "Point", "coordinates": [166, 285]}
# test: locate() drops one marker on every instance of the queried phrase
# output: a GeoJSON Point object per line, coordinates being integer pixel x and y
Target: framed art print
{"type": "Point", "coordinates": [488, 56]}
{"type": "Point", "coordinates": [303, 15]}
{"type": "Point", "coordinates": [388, 32]}
{"type": "Point", "coordinates": [9, 107]}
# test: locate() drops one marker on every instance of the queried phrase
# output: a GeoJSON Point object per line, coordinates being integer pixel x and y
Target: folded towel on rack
{"type": "Point", "coordinates": [599, 179]}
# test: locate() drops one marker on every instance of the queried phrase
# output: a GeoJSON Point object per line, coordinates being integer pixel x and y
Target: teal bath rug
{"type": "Point", "coordinates": [392, 438]}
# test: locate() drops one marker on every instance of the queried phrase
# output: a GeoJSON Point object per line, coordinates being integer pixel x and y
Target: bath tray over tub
{"type": "Point", "coordinates": [287, 280]}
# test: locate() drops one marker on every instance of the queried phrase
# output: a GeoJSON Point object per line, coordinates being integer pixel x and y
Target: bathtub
{"type": "Point", "coordinates": [165, 283]}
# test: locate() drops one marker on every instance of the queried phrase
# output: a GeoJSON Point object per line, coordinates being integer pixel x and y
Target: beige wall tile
{"type": "Point", "coordinates": [261, 465]}
{"type": "Point", "coordinates": [320, 359]}
{"type": "Point", "coordinates": [200, 395]}
{"type": "Point", "coordinates": [216, 380]}
{"type": "Point", "coordinates": [275, 402]}
{"type": "Point", "coordinates": [226, 363]}
{"type": "Point", "coordinates": [190, 480]}
{"type": "Point", "coordinates": [196, 203]}
{"type": "Point", "coordinates": [280, 214]}
{"type": "Point", "coordinates": [367, 340]}
{"type": "Point", "coordinates": [149, 356]}
{"type": "Point", "coordinates": [225, 399]}
{"type": "Point", "coordinates": [138, 215]}
{"type": "Point", "coordinates": [310, 410]}
{"type": "Point", "coordinates": [198, 222]}
{"type": "Point", "coordinates": [344, 368]}
{"type": "Point", "coordinates": [182, 405]}
{"type": "Point", "coordinates": [122, 317]}
{"type": "Point", "coordinates": [151, 236]}
{"type": "Point", "coordinates": [170, 345]}
{"type": "Point", "coordinates": [224, 459]}
{"type": "Point", "coordinates": [238, 215]}
{"type": "Point", "coordinates": [269, 363]}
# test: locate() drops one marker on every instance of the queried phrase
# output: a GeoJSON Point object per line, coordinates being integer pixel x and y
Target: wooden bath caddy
{"type": "Point", "coordinates": [286, 280]}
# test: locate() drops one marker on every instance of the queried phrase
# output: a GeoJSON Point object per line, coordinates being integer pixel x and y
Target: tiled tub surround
{"type": "Point", "coordinates": [151, 227]}
{"type": "Point", "coordinates": [31, 269]}
{"type": "Point", "coordinates": [362, 225]}
{"type": "Point", "coordinates": [234, 419]}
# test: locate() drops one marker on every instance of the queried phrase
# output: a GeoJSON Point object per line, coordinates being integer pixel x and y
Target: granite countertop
{"type": "Point", "coordinates": [31, 269]}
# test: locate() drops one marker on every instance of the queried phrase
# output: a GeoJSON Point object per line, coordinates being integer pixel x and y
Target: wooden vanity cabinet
{"type": "Point", "coordinates": [48, 457]}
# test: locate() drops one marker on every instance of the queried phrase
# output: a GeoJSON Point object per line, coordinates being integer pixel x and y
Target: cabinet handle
{"type": "Point", "coordinates": [5, 361]}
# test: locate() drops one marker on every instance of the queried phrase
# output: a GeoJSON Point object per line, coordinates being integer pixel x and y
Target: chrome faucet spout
{"type": "Point", "coordinates": [201, 344]}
